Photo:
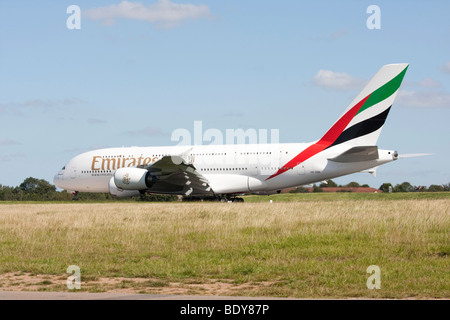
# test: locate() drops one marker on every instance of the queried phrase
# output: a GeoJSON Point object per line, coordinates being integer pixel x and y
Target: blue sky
{"type": "Point", "coordinates": [137, 71]}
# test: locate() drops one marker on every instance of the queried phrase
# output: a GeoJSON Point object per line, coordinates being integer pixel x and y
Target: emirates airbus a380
{"type": "Point", "coordinates": [225, 171]}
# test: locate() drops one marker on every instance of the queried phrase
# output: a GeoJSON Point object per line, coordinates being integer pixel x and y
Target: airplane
{"type": "Point", "coordinates": [224, 172]}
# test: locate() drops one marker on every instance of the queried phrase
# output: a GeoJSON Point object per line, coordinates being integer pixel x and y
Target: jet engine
{"type": "Point", "coordinates": [133, 179]}
{"type": "Point", "coordinates": [120, 192]}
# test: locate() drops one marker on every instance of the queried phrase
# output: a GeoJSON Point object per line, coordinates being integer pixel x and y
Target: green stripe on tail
{"type": "Point", "coordinates": [384, 91]}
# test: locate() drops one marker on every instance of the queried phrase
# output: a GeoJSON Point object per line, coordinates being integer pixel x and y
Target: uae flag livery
{"type": "Point", "coordinates": [362, 121]}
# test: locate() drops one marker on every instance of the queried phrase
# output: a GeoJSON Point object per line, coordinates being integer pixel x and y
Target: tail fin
{"type": "Point", "coordinates": [362, 121]}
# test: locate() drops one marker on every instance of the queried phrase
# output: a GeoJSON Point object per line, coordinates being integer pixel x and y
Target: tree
{"type": "Point", "coordinates": [404, 187]}
{"type": "Point", "coordinates": [435, 188]}
{"type": "Point", "coordinates": [317, 189]}
{"type": "Point", "coordinates": [353, 184]}
{"type": "Point", "coordinates": [330, 183]}
{"type": "Point", "coordinates": [29, 184]}
{"type": "Point", "coordinates": [36, 189]}
{"type": "Point", "coordinates": [300, 190]}
{"type": "Point", "coordinates": [32, 189]}
{"type": "Point", "coordinates": [6, 193]}
{"type": "Point", "coordinates": [385, 187]}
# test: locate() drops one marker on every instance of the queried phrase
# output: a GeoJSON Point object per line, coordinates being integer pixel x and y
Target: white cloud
{"type": "Point", "coordinates": [8, 142]}
{"type": "Point", "coordinates": [165, 13]}
{"type": "Point", "coordinates": [21, 108]}
{"type": "Point", "coordinates": [237, 114]}
{"type": "Point", "coordinates": [423, 99]}
{"type": "Point", "coordinates": [446, 67]}
{"type": "Point", "coordinates": [338, 34]}
{"type": "Point", "coordinates": [147, 131]}
{"type": "Point", "coordinates": [96, 121]}
{"type": "Point", "coordinates": [328, 79]}
{"type": "Point", "coordinates": [424, 83]}
{"type": "Point", "coordinates": [40, 103]}
{"type": "Point", "coordinates": [12, 157]}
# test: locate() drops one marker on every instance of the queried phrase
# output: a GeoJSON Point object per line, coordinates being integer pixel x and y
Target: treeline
{"type": "Point", "coordinates": [32, 189]}
{"type": "Point", "coordinates": [385, 187]}
{"type": "Point", "coordinates": [408, 187]}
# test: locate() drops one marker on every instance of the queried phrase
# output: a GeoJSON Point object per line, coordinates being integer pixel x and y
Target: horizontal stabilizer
{"type": "Point", "coordinates": [358, 154]}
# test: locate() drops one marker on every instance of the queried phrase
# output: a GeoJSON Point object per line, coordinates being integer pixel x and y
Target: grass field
{"type": "Point", "coordinates": [318, 247]}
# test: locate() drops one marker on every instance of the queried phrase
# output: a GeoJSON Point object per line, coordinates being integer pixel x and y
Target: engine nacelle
{"type": "Point", "coordinates": [132, 179]}
{"type": "Point", "coordinates": [120, 192]}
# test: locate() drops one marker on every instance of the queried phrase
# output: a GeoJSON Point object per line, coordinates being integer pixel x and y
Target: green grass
{"type": "Point", "coordinates": [335, 196]}
{"type": "Point", "coordinates": [305, 249]}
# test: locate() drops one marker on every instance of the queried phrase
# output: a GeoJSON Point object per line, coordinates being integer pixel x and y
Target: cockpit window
{"type": "Point", "coordinates": [63, 168]}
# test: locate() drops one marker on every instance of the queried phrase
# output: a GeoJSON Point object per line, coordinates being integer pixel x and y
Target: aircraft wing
{"type": "Point", "coordinates": [172, 175]}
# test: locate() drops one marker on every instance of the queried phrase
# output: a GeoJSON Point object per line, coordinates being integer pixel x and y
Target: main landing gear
{"type": "Point", "coordinates": [232, 199]}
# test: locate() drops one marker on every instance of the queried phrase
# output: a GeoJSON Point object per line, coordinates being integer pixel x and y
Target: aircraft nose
{"type": "Point", "coordinates": [58, 178]}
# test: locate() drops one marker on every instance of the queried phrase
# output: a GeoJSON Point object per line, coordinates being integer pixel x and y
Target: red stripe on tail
{"type": "Point", "coordinates": [326, 141]}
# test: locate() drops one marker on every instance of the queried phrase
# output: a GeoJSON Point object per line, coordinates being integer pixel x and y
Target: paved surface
{"type": "Point", "coordinates": [34, 295]}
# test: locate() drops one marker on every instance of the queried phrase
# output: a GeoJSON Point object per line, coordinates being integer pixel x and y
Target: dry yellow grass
{"type": "Point", "coordinates": [302, 249]}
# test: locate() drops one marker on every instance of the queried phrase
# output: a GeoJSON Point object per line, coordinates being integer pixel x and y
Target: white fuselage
{"type": "Point", "coordinates": [348, 146]}
{"type": "Point", "coordinates": [229, 169]}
